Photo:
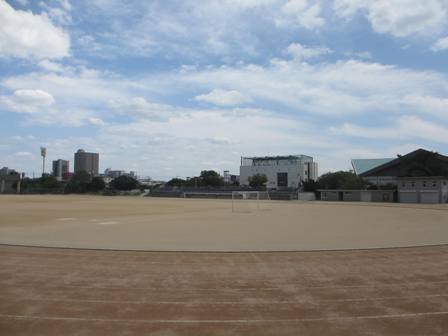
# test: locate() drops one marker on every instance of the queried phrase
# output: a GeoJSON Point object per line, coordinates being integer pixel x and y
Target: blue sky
{"type": "Point", "coordinates": [168, 88]}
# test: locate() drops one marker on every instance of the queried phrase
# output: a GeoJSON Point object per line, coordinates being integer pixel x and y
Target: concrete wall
{"type": "Point", "coordinates": [358, 195]}
{"type": "Point", "coordinates": [420, 190]}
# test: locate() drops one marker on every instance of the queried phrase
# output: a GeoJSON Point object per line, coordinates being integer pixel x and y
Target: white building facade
{"type": "Point", "coordinates": [281, 171]}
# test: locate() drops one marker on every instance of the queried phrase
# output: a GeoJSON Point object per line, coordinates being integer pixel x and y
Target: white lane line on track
{"type": "Point", "coordinates": [108, 223]}
{"type": "Point", "coordinates": [242, 321]}
{"type": "Point", "coordinates": [197, 303]}
{"type": "Point", "coordinates": [224, 289]}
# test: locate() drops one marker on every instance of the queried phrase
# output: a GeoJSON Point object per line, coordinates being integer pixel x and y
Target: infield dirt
{"type": "Point", "coordinates": [144, 223]}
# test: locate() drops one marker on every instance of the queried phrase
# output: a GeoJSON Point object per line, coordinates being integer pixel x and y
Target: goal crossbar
{"type": "Point", "coordinates": [248, 196]}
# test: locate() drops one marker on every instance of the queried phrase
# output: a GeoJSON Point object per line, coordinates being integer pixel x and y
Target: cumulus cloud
{"type": "Point", "coordinates": [223, 97]}
{"type": "Point", "coordinates": [399, 17]}
{"type": "Point", "coordinates": [27, 35]}
{"type": "Point", "coordinates": [441, 44]}
{"type": "Point", "coordinates": [27, 101]}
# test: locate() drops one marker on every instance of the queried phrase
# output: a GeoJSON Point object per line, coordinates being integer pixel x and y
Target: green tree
{"type": "Point", "coordinates": [193, 182]}
{"type": "Point", "coordinates": [211, 178]}
{"type": "Point", "coordinates": [341, 180]}
{"type": "Point", "coordinates": [79, 183]}
{"type": "Point", "coordinates": [97, 184]}
{"type": "Point", "coordinates": [258, 180]}
{"type": "Point", "coordinates": [176, 182]}
{"type": "Point", "coordinates": [124, 183]}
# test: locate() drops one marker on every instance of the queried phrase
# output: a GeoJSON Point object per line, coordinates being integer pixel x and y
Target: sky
{"type": "Point", "coordinates": [168, 88]}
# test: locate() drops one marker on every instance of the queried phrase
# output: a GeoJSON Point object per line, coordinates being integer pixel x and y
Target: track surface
{"type": "Point", "coordinates": [46, 291]}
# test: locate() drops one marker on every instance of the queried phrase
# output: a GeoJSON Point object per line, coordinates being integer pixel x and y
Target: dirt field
{"type": "Point", "coordinates": [137, 223]}
{"type": "Point", "coordinates": [53, 291]}
{"type": "Point", "coordinates": [46, 291]}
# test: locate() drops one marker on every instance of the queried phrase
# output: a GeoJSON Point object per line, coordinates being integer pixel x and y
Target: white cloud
{"type": "Point", "coordinates": [22, 2]}
{"type": "Point", "coordinates": [27, 101]}
{"type": "Point", "coordinates": [96, 121]}
{"type": "Point", "coordinates": [21, 154]}
{"type": "Point", "coordinates": [221, 28]}
{"type": "Point", "coordinates": [27, 35]}
{"type": "Point", "coordinates": [61, 15]}
{"type": "Point", "coordinates": [301, 52]}
{"type": "Point", "coordinates": [405, 128]}
{"type": "Point", "coordinates": [223, 97]}
{"type": "Point", "coordinates": [398, 17]}
{"type": "Point", "coordinates": [139, 107]}
{"type": "Point", "coordinates": [428, 105]}
{"type": "Point", "coordinates": [441, 44]}
{"type": "Point", "coordinates": [334, 89]}
{"type": "Point", "coordinates": [300, 13]}
{"type": "Point", "coordinates": [52, 66]}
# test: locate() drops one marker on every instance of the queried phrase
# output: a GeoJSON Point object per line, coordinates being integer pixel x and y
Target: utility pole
{"type": "Point", "coordinates": [43, 153]}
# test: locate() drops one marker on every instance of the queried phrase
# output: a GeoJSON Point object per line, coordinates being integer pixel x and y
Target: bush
{"type": "Point", "coordinates": [341, 180]}
{"type": "Point", "coordinates": [258, 180]}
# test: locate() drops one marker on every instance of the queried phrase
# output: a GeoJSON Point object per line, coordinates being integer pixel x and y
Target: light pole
{"type": "Point", "coordinates": [43, 153]}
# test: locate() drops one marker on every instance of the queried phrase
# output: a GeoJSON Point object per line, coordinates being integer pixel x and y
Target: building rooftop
{"type": "Point", "coordinates": [278, 157]}
{"type": "Point", "coordinates": [362, 165]}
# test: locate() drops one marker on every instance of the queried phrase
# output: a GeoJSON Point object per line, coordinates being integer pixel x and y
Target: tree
{"type": "Point", "coordinates": [97, 184]}
{"type": "Point", "coordinates": [79, 183]}
{"type": "Point", "coordinates": [258, 180]}
{"type": "Point", "coordinates": [211, 178]}
{"type": "Point", "coordinates": [124, 183]}
{"type": "Point", "coordinates": [341, 180]}
{"type": "Point", "coordinates": [176, 182]}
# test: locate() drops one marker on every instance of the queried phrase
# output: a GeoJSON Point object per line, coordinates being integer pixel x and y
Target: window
{"type": "Point", "coordinates": [403, 184]}
{"type": "Point", "coordinates": [413, 184]}
{"type": "Point", "coordinates": [424, 183]}
{"type": "Point", "coordinates": [434, 183]}
{"type": "Point", "coordinates": [282, 179]}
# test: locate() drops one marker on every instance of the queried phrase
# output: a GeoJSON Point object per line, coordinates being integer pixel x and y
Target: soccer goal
{"type": "Point", "coordinates": [249, 201]}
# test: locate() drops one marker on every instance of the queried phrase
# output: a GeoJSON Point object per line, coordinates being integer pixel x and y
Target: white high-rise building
{"type": "Point", "coordinates": [281, 171]}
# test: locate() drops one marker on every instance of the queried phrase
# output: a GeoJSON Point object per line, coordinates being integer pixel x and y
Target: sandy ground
{"type": "Point", "coordinates": [137, 223]}
{"type": "Point", "coordinates": [395, 292]}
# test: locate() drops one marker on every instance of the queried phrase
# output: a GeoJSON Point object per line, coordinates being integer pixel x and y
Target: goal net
{"type": "Point", "coordinates": [249, 201]}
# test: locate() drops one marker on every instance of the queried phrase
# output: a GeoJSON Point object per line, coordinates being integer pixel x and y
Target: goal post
{"type": "Point", "coordinates": [248, 201]}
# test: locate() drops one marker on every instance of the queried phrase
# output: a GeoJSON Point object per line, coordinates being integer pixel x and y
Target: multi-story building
{"type": "Point", "coordinates": [88, 162]}
{"type": "Point", "coordinates": [281, 171]}
{"type": "Point", "coordinates": [8, 180]}
{"type": "Point", "coordinates": [113, 173]}
{"type": "Point", "coordinates": [60, 169]}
